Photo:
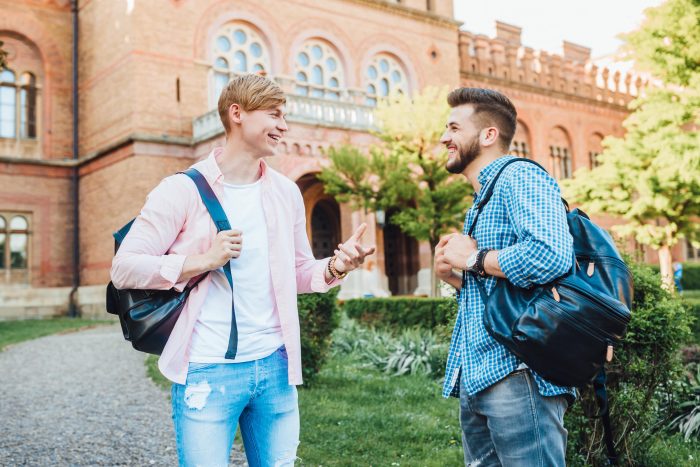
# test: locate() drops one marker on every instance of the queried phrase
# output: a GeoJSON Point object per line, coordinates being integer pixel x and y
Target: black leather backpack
{"type": "Point", "coordinates": [147, 317]}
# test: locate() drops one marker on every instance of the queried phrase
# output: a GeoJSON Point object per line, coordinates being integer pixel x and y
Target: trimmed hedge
{"type": "Point", "coordinates": [693, 305]}
{"type": "Point", "coordinates": [319, 315]}
{"type": "Point", "coordinates": [403, 312]}
{"type": "Point", "coordinates": [691, 276]}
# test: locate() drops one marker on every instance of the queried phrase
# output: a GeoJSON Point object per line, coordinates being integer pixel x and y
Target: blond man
{"type": "Point", "coordinates": [241, 367]}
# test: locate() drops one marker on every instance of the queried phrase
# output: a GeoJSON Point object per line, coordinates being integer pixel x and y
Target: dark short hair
{"type": "Point", "coordinates": [491, 108]}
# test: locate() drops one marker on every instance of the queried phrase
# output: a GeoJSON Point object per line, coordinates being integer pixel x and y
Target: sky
{"type": "Point", "coordinates": [546, 23]}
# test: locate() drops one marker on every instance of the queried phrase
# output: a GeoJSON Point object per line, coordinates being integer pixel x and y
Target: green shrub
{"type": "Point", "coordinates": [412, 351]}
{"type": "Point", "coordinates": [691, 276]}
{"type": "Point", "coordinates": [646, 362]}
{"type": "Point", "coordinates": [686, 411]}
{"type": "Point", "coordinates": [318, 317]}
{"type": "Point", "coordinates": [693, 306]}
{"type": "Point", "coordinates": [352, 338]}
{"type": "Point", "coordinates": [403, 312]}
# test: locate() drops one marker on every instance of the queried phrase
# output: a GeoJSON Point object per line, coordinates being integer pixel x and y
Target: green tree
{"type": "Point", "coordinates": [404, 172]}
{"type": "Point", "coordinates": [369, 182]}
{"type": "Point", "coordinates": [651, 176]}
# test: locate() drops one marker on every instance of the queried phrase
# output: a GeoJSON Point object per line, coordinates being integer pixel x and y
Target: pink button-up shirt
{"type": "Point", "coordinates": [174, 223]}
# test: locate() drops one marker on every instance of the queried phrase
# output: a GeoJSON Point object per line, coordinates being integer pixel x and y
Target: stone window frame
{"type": "Point", "coordinates": [595, 149]}
{"type": "Point", "coordinates": [521, 144]}
{"type": "Point", "coordinates": [561, 160]}
{"type": "Point", "coordinates": [376, 73]}
{"type": "Point", "coordinates": [691, 253]}
{"type": "Point", "coordinates": [593, 161]}
{"type": "Point", "coordinates": [251, 46]}
{"type": "Point", "coordinates": [9, 273]}
{"type": "Point", "coordinates": [520, 149]}
{"type": "Point", "coordinates": [319, 71]}
{"type": "Point", "coordinates": [26, 102]}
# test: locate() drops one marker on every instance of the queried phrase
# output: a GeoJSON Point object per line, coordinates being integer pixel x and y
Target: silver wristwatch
{"type": "Point", "coordinates": [471, 261]}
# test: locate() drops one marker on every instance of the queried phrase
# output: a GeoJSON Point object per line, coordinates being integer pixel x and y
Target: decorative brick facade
{"type": "Point", "coordinates": [147, 72]}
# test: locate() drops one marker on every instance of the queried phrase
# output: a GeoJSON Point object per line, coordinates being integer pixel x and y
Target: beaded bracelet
{"type": "Point", "coordinates": [333, 271]}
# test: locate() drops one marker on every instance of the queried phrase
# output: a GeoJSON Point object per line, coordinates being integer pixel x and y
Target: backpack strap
{"type": "Point", "coordinates": [601, 397]}
{"type": "Point", "coordinates": [218, 215]}
{"type": "Point", "coordinates": [488, 191]}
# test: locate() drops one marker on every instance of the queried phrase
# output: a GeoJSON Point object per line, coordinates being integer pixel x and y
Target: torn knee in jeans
{"type": "Point", "coordinates": [286, 458]}
{"type": "Point", "coordinates": [196, 395]}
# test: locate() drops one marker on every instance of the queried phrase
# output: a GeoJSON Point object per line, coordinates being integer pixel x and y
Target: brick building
{"type": "Point", "coordinates": [148, 76]}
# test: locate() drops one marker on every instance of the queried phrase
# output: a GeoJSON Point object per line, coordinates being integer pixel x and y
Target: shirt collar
{"type": "Point", "coordinates": [212, 172]}
{"type": "Point", "coordinates": [488, 172]}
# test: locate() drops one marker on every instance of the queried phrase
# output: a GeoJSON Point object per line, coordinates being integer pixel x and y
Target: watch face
{"type": "Point", "coordinates": [471, 261]}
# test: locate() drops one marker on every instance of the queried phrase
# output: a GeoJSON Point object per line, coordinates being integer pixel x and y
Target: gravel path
{"type": "Point", "coordinates": [83, 398]}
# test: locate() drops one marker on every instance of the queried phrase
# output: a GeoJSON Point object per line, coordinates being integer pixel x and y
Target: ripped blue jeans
{"type": "Point", "coordinates": [216, 397]}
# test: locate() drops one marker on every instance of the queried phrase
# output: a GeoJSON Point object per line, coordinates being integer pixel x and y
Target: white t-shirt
{"type": "Point", "coordinates": [259, 330]}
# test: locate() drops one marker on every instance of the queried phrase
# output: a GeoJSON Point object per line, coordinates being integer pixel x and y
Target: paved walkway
{"type": "Point", "coordinates": [83, 398]}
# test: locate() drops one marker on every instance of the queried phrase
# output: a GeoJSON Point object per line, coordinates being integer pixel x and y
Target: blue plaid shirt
{"type": "Point", "coordinates": [526, 221]}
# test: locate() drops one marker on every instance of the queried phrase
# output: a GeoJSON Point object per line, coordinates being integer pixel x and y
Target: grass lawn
{"type": "Point", "coordinates": [353, 416]}
{"type": "Point", "coordinates": [154, 373]}
{"type": "Point", "coordinates": [359, 417]}
{"type": "Point", "coordinates": [12, 332]}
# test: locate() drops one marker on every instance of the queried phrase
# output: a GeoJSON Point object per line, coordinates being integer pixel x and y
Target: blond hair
{"type": "Point", "coordinates": [251, 92]}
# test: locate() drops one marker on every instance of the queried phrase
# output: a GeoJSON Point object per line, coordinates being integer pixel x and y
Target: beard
{"type": "Point", "coordinates": [464, 157]}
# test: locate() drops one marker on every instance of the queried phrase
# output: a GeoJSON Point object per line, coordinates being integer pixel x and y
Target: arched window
{"type": "Point", "coordinates": [318, 71]}
{"type": "Point", "coordinates": [8, 104]}
{"type": "Point", "coordinates": [384, 76]}
{"type": "Point", "coordinates": [692, 253]}
{"type": "Point", "coordinates": [237, 49]}
{"type": "Point", "coordinates": [19, 234]}
{"type": "Point", "coordinates": [560, 153]}
{"type": "Point", "coordinates": [3, 242]}
{"type": "Point", "coordinates": [20, 97]}
{"type": "Point", "coordinates": [520, 146]}
{"type": "Point", "coordinates": [595, 147]}
{"type": "Point", "coordinates": [18, 105]}
{"type": "Point", "coordinates": [14, 246]}
{"type": "Point", "coordinates": [27, 106]}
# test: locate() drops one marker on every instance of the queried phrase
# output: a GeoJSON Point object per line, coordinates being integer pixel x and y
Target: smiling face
{"type": "Point", "coordinates": [251, 108]}
{"type": "Point", "coordinates": [261, 130]}
{"type": "Point", "coordinates": [461, 138]}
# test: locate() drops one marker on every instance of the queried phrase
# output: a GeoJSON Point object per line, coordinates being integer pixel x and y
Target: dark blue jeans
{"type": "Point", "coordinates": [511, 424]}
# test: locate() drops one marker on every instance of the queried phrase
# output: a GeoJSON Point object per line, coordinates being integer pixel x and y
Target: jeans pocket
{"type": "Point", "coordinates": [283, 352]}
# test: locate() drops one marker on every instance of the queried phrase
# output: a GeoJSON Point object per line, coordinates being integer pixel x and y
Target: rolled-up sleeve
{"type": "Point", "coordinates": [142, 261]}
{"type": "Point", "coordinates": [544, 249]}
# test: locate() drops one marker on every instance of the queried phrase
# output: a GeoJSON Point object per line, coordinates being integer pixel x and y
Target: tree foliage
{"type": "Point", "coordinates": [651, 177]}
{"type": "Point", "coordinates": [404, 173]}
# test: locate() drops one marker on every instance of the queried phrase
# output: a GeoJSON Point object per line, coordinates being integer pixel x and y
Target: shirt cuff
{"type": "Point", "coordinates": [171, 268]}
{"type": "Point", "coordinates": [318, 281]}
